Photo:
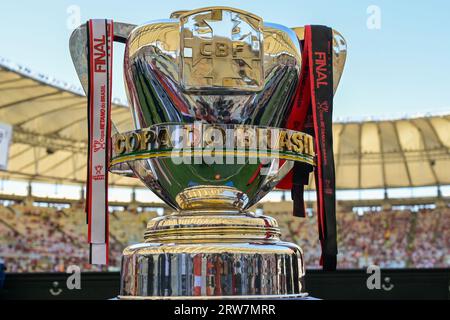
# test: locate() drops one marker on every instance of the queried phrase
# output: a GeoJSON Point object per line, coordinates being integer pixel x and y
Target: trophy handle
{"type": "Point", "coordinates": [339, 57]}
{"type": "Point", "coordinates": [78, 46]}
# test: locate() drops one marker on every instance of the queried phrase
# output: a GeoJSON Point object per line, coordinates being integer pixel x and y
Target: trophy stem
{"type": "Point", "coordinates": [215, 254]}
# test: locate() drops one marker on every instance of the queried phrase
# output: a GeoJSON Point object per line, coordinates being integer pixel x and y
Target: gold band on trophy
{"type": "Point", "coordinates": [187, 140]}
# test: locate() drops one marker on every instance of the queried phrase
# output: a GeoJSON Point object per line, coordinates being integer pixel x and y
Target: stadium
{"type": "Point", "coordinates": [393, 208]}
{"type": "Point", "coordinates": [392, 182]}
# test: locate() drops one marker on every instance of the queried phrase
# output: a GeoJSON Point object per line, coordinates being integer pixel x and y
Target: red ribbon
{"type": "Point", "coordinates": [312, 113]}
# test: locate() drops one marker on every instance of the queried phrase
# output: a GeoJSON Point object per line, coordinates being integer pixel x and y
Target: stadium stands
{"type": "Point", "coordinates": [35, 239]}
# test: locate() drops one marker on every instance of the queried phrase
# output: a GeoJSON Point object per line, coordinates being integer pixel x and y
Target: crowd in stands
{"type": "Point", "coordinates": [34, 239]}
{"type": "Point", "coordinates": [431, 241]}
{"type": "Point", "coordinates": [389, 239]}
{"type": "Point", "coordinates": [39, 239]}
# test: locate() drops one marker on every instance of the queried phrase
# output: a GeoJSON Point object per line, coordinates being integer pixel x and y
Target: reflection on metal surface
{"type": "Point", "coordinates": [153, 67]}
{"type": "Point", "coordinates": [215, 269]}
{"type": "Point", "coordinates": [221, 49]}
{"type": "Point", "coordinates": [211, 66]}
{"type": "Point", "coordinates": [214, 144]}
{"type": "Point", "coordinates": [204, 196]}
{"type": "Point", "coordinates": [79, 52]}
{"type": "Point", "coordinates": [212, 253]}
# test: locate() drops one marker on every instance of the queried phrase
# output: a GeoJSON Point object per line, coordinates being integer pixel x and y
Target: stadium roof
{"type": "Point", "coordinates": [49, 127]}
{"type": "Point", "coordinates": [49, 140]}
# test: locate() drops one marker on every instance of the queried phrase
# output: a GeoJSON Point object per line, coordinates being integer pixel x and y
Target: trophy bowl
{"type": "Point", "coordinates": [215, 66]}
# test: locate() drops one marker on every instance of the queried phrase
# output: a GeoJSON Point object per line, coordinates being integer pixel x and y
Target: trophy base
{"type": "Point", "coordinates": [212, 255]}
{"type": "Point", "coordinates": [250, 297]}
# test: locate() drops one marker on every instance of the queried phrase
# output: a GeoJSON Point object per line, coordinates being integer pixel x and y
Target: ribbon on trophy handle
{"type": "Point", "coordinates": [312, 113]}
{"type": "Point", "coordinates": [100, 52]}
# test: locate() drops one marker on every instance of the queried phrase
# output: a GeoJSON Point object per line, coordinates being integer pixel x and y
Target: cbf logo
{"type": "Point", "coordinates": [374, 280]}
{"type": "Point", "coordinates": [221, 48]}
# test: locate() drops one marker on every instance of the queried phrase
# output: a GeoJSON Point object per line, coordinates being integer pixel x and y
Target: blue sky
{"type": "Point", "coordinates": [401, 68]}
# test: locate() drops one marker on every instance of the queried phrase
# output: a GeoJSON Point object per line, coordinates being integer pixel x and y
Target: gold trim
{"type": "Point", "coordinates": [238, 141]}
{"type": "Point", "coordinates": [122, 159]}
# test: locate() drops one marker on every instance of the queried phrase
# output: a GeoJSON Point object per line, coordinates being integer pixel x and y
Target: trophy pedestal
{"type": "Point", "coordinates": [212, 255]}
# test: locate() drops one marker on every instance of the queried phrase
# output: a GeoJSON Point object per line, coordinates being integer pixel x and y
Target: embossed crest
{"type": "Point", "coordinates": [221, 48]}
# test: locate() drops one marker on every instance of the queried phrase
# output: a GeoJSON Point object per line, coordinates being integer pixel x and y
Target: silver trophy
{"type": "Point", "coordinates": [209, 70]}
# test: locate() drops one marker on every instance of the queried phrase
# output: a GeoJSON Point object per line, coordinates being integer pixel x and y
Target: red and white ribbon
{"type": "Point", "coordinates": [100, 49]}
